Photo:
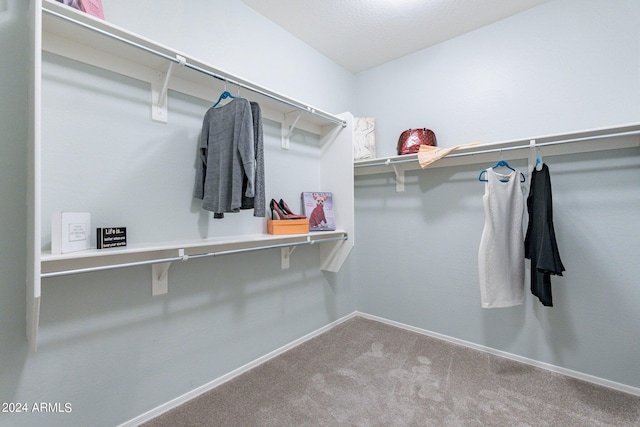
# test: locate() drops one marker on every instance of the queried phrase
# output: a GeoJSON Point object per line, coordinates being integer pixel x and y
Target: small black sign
{"type": "Point", "coordinates": [111, 237]}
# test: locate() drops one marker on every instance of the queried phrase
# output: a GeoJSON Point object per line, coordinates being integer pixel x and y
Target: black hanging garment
{"type": "Point", "coordinates": [540, 242]}
{"type": "Point", "coordinates": [257, 203]}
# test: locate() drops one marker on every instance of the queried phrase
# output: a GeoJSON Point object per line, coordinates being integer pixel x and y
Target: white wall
{"type": "Point", "coordinates": [563, 66]}
{"type": "Point", "coordinates": [237, 39]}
{"type": "Point", "coordinates": [105, 345]}
{"type": "Point", "coordinates": [559, 67]}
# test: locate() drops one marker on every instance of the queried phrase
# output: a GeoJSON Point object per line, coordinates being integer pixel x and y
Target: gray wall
{"type": "Point", "coordinates": [563, 66]}
{"type": "Point", "coordinates": [114, 352]}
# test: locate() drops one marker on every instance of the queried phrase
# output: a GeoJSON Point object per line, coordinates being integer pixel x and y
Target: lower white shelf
{"type": "Point", "coordinates": [166, 252]}
{"type": "Point", "coordinates": [334, 245]}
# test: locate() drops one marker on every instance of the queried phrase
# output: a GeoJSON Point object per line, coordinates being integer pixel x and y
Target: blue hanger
{"type": "Point", "coordinates": [223, 95]}
{"type": "Point", "coordinates": [501, 163]}
{"type": "Point", "coordinates": [538, 162]}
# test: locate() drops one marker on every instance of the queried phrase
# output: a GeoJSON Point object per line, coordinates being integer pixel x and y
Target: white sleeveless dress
{"type": "Point", "coordinates": [501, 254]}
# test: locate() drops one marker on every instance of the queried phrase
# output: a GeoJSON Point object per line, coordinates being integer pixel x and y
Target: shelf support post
{"type": "Point", "coordinates": [160, 275]}
{"type": "Point", "coordinates": [532, 159]}
{"type": "Point", "coordinates": [285, 256]}
{"type": "Point", "coordinates": [399, 176]}
{"type": "Point", "coordinates": [160, 278]}
{"type": "Point", "coordinates": [159, 89]}
{"type": "Point", "coordinates": [287, 130]}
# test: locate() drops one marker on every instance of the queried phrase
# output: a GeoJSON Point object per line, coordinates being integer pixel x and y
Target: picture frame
{"type": "Point", "coordinates": [364, 138]}
{"type": "Point", "coordinates": [318, 207]}
{"type": "Point", "coordinates": [90, 7]}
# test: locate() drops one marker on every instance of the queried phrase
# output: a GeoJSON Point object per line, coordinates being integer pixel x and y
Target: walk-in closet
{"type": "Point", "coordinates": [221, 306]}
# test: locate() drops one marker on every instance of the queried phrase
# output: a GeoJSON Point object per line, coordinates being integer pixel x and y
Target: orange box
{"type": "Point", "coordinates": [287, 226]}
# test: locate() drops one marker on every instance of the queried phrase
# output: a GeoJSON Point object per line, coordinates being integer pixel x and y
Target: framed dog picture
{"type": "Point", "coordinates": [318, 207]}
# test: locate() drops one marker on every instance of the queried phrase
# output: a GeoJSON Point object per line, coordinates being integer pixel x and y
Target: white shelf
{"type": "Point", "coordinates": [76, 35]}
{"type": "Point", "coordinates": [600, 139]}
{"type": "Point", "coordinates": [152, 253]}
{"type": "Point", "coordinates": [64, 31]}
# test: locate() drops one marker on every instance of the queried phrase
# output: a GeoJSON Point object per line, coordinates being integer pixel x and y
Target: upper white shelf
{"type": "Point", "coordinates": [79, 36]}
{"type": "Point", "coordinates": [610, 138]}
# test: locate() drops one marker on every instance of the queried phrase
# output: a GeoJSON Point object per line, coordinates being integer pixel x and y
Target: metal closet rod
{"type": "Point", "coordinates": [187, 257]}
{"type": "Point", "coordinates": [518, 147]}
{"type": "Point", "coordinates": [180, 60]}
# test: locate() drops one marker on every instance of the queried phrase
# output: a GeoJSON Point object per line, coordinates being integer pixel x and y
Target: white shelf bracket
{"type": "Point", "coordinates": [160, 275]}
{"type": "Point", "coordinates": [285, 256]}
{"type": "Point", "coordinates": [159, 89]}
{"type": "Point", "coordinates": [532, 158]}
{"type": "Point", "coordinates": [399, 176]}
{"type": "Point", "coordinates": [160, 278]}
{"type": "Point", "coordinates": [287, 130]}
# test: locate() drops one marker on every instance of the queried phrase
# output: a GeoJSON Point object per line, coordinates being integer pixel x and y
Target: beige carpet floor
{"type": "Point", "coordinates": [367, 373]}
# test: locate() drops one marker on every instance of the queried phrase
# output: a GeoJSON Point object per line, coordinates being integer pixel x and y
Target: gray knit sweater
{"type": "Point", "coordinates": [226, 155]}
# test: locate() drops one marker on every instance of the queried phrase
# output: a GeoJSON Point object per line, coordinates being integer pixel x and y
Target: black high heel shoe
{"type": "Point", "coordinates": [275, 207]}
{"type": "Point", "coordinates": [288, 211]}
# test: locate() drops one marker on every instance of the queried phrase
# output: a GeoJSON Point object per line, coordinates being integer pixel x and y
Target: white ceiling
{"type": "Point", "coordinates": [360, 34]}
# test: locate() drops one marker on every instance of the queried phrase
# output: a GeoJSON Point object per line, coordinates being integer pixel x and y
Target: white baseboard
{"type": "Point", "coordinates": [147, 416]}
{"type": "Point", "coordinates": [174, 403]}
{"type": "Point", "coordinates": [557, 369]}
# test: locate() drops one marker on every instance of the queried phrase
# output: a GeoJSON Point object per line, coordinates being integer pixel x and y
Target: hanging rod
{"type": "Point", "coordinates": [187, 257]}
{"type": "Point", "coordinates": [180, 60]}
{"type": "Point", "coordinates": [497, 150]}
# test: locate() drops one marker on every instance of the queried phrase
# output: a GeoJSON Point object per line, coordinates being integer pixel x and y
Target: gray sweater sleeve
{"type": "Point", "coordinates": [201, 171]}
